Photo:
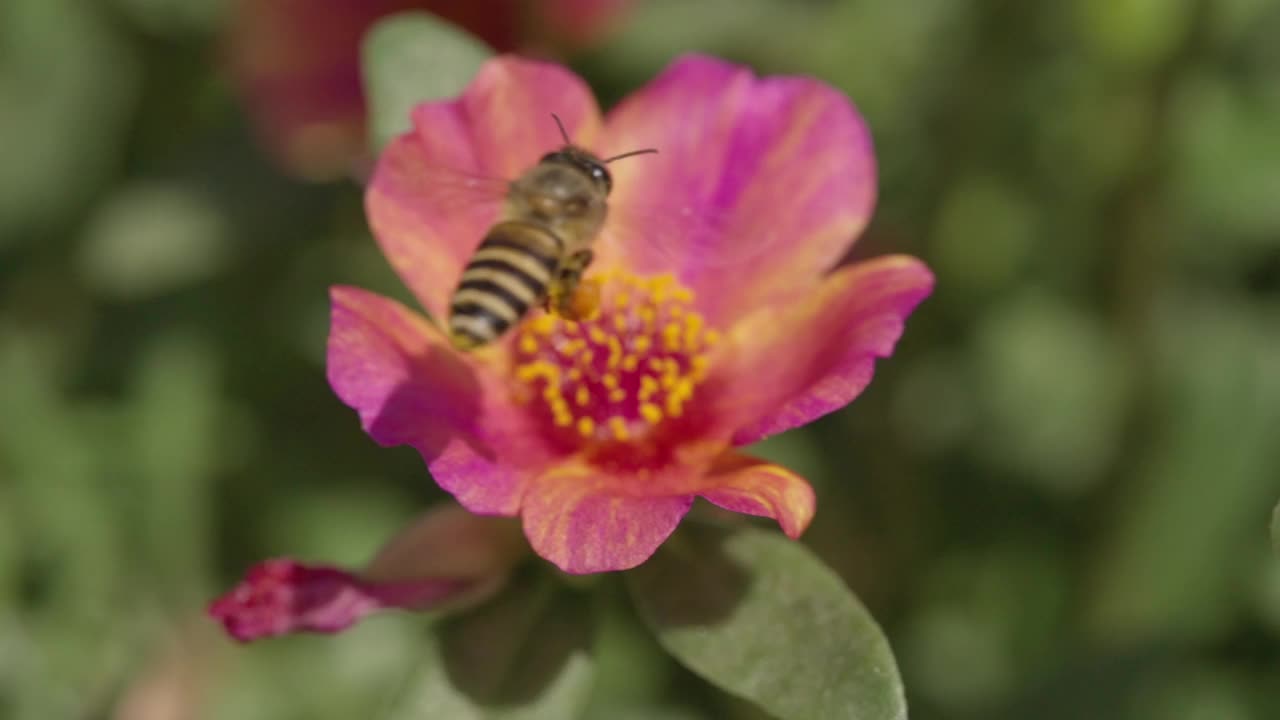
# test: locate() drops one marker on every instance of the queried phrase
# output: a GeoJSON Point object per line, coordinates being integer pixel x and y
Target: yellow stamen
{"type": "Point", "coordinates": [692, 329]}
{"type": "Point", "coordinates": [648, 387]}
{"type": "Point", "coordinates": [543, 325]}
{"type": "Point", "coordinates": [619, 427]}
{"type": "Point", "coordinates": [671, 337]}
{"type": "Point", "coordinates": [651, 413]}
{"type": "Point", "coordinates": [528, 344]}
{"type": "Point", "coordinates": [675, 406]}
{"type": "Point", "coordinates": [698, 366]}
{"type": "Point", "coordinates": [538, 369]}
{"type": "Point", "coordinates": [615, 353]}
{"type": "Point", "coordinates": [652, 354]}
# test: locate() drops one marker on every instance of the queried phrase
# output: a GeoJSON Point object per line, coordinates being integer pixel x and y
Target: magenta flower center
{"type": "Point", "coordinates": [623, 373]}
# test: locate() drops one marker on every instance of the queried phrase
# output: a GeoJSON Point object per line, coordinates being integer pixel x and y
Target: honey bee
{"type": "Point", "coordinates": [539, 249]}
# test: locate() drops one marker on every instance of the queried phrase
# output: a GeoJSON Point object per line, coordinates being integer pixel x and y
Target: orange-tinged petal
{"type": "Point", "coordinates": [437, 189]}
{"type": "Point", "coordinates": [504, 117]}
{"type": "Point", "coordinates": [790, 363]}
{"type": "Point", "coordinates": [427, 233]}
{"type": "Point", "coordinates": [759, 187]}
{"type": "Point", "coordinates": [754, 487]}
{"type": "Point", "coordinates": [410, 388]}
{"type": "Point", "coordinates": [585, 520]}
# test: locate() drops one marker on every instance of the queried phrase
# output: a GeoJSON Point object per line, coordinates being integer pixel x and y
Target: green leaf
{"type": "Point", "coordinates": [760, 616]}
{"type": "Point", "coordinates": [434, 696]}
{"type": "Point", "coordinates": [411, 58]}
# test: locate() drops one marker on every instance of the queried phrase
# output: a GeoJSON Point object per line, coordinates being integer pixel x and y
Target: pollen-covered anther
{"type": "Point", "coordinates": [624, 372]}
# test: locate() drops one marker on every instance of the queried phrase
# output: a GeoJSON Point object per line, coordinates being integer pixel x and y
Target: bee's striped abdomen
{"type": "Point", "coordinates": [508, 275]}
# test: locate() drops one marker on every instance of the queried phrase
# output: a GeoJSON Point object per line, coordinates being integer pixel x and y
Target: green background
{"type": "Point", "coordinates": [1055, 497]}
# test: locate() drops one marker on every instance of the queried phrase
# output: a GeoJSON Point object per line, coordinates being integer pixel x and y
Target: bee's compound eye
{"type": "Point", "coordinates": [600, 175]}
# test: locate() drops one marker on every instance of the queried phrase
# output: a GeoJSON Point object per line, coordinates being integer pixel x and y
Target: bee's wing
{"type": "Point", "coordinates": [446, 189]}
{"type": "Point", "coordinates": [672, 236]}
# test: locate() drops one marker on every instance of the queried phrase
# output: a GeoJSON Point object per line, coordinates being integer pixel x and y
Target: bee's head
{"type": "Point", "coordinates": [585, 163]}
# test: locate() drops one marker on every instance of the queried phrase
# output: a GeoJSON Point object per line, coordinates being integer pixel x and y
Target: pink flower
{"type": "Point", "coordinates": [601, 434]}
{"type": "Point", "coordinates": [446, 558]}
{"type": "Point", "coordinates": [283, 596]}
{"type": "Point", "coordinates": [297, 62]}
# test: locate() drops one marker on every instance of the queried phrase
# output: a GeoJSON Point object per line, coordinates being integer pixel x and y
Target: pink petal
{"type": "Point", "coordinates": [755, 487]}
{"type": "Point", "coordinates": [437, 190]}
{"type": "Point", "coordinates": [283, 596]}
{"type": "Point", "coordinates": [409, 387]}
{"type": "Point", "coordinates": [448, 541]}
{"type": "Point", "coordinates": [791, 363]}
{"type": "Point", "coordinates": [586, 521]}
{"type": "Point", "coordinates": [773, 176]}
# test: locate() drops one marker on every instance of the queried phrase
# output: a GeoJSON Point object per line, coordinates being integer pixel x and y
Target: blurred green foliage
{"type": "Point", "coordinates": [1055, 496]}
{"type": "Point", "coordinates": [400, 73]}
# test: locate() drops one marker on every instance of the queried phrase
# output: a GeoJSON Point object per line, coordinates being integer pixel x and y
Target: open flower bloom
{"type": "Point", "coordinates": [297, 62]}
{"type": "Point", "coordinates": [600, 434]}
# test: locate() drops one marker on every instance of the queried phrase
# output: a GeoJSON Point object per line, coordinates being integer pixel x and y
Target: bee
{"type": "Point", "coordinates": [539, 249]}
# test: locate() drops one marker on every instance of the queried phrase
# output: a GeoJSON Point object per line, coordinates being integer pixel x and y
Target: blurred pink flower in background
{"type": "Point", "coordinates": [600, 434]}
{"type": "Point", "coordinates": [297, 62]}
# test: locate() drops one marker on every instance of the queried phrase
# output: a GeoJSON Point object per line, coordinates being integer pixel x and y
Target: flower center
{"type": "Point", "coordinates": [620, 374]}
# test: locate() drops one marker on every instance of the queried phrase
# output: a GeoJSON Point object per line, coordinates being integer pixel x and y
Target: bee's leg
{"type": "Point", "coordinates": [567, 295]}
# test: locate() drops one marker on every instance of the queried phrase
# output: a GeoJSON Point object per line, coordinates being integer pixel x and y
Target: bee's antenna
{"type": "Point", "coordinates": [646, 151]}
{"type": "Point", "coordinates": [560, 125]}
